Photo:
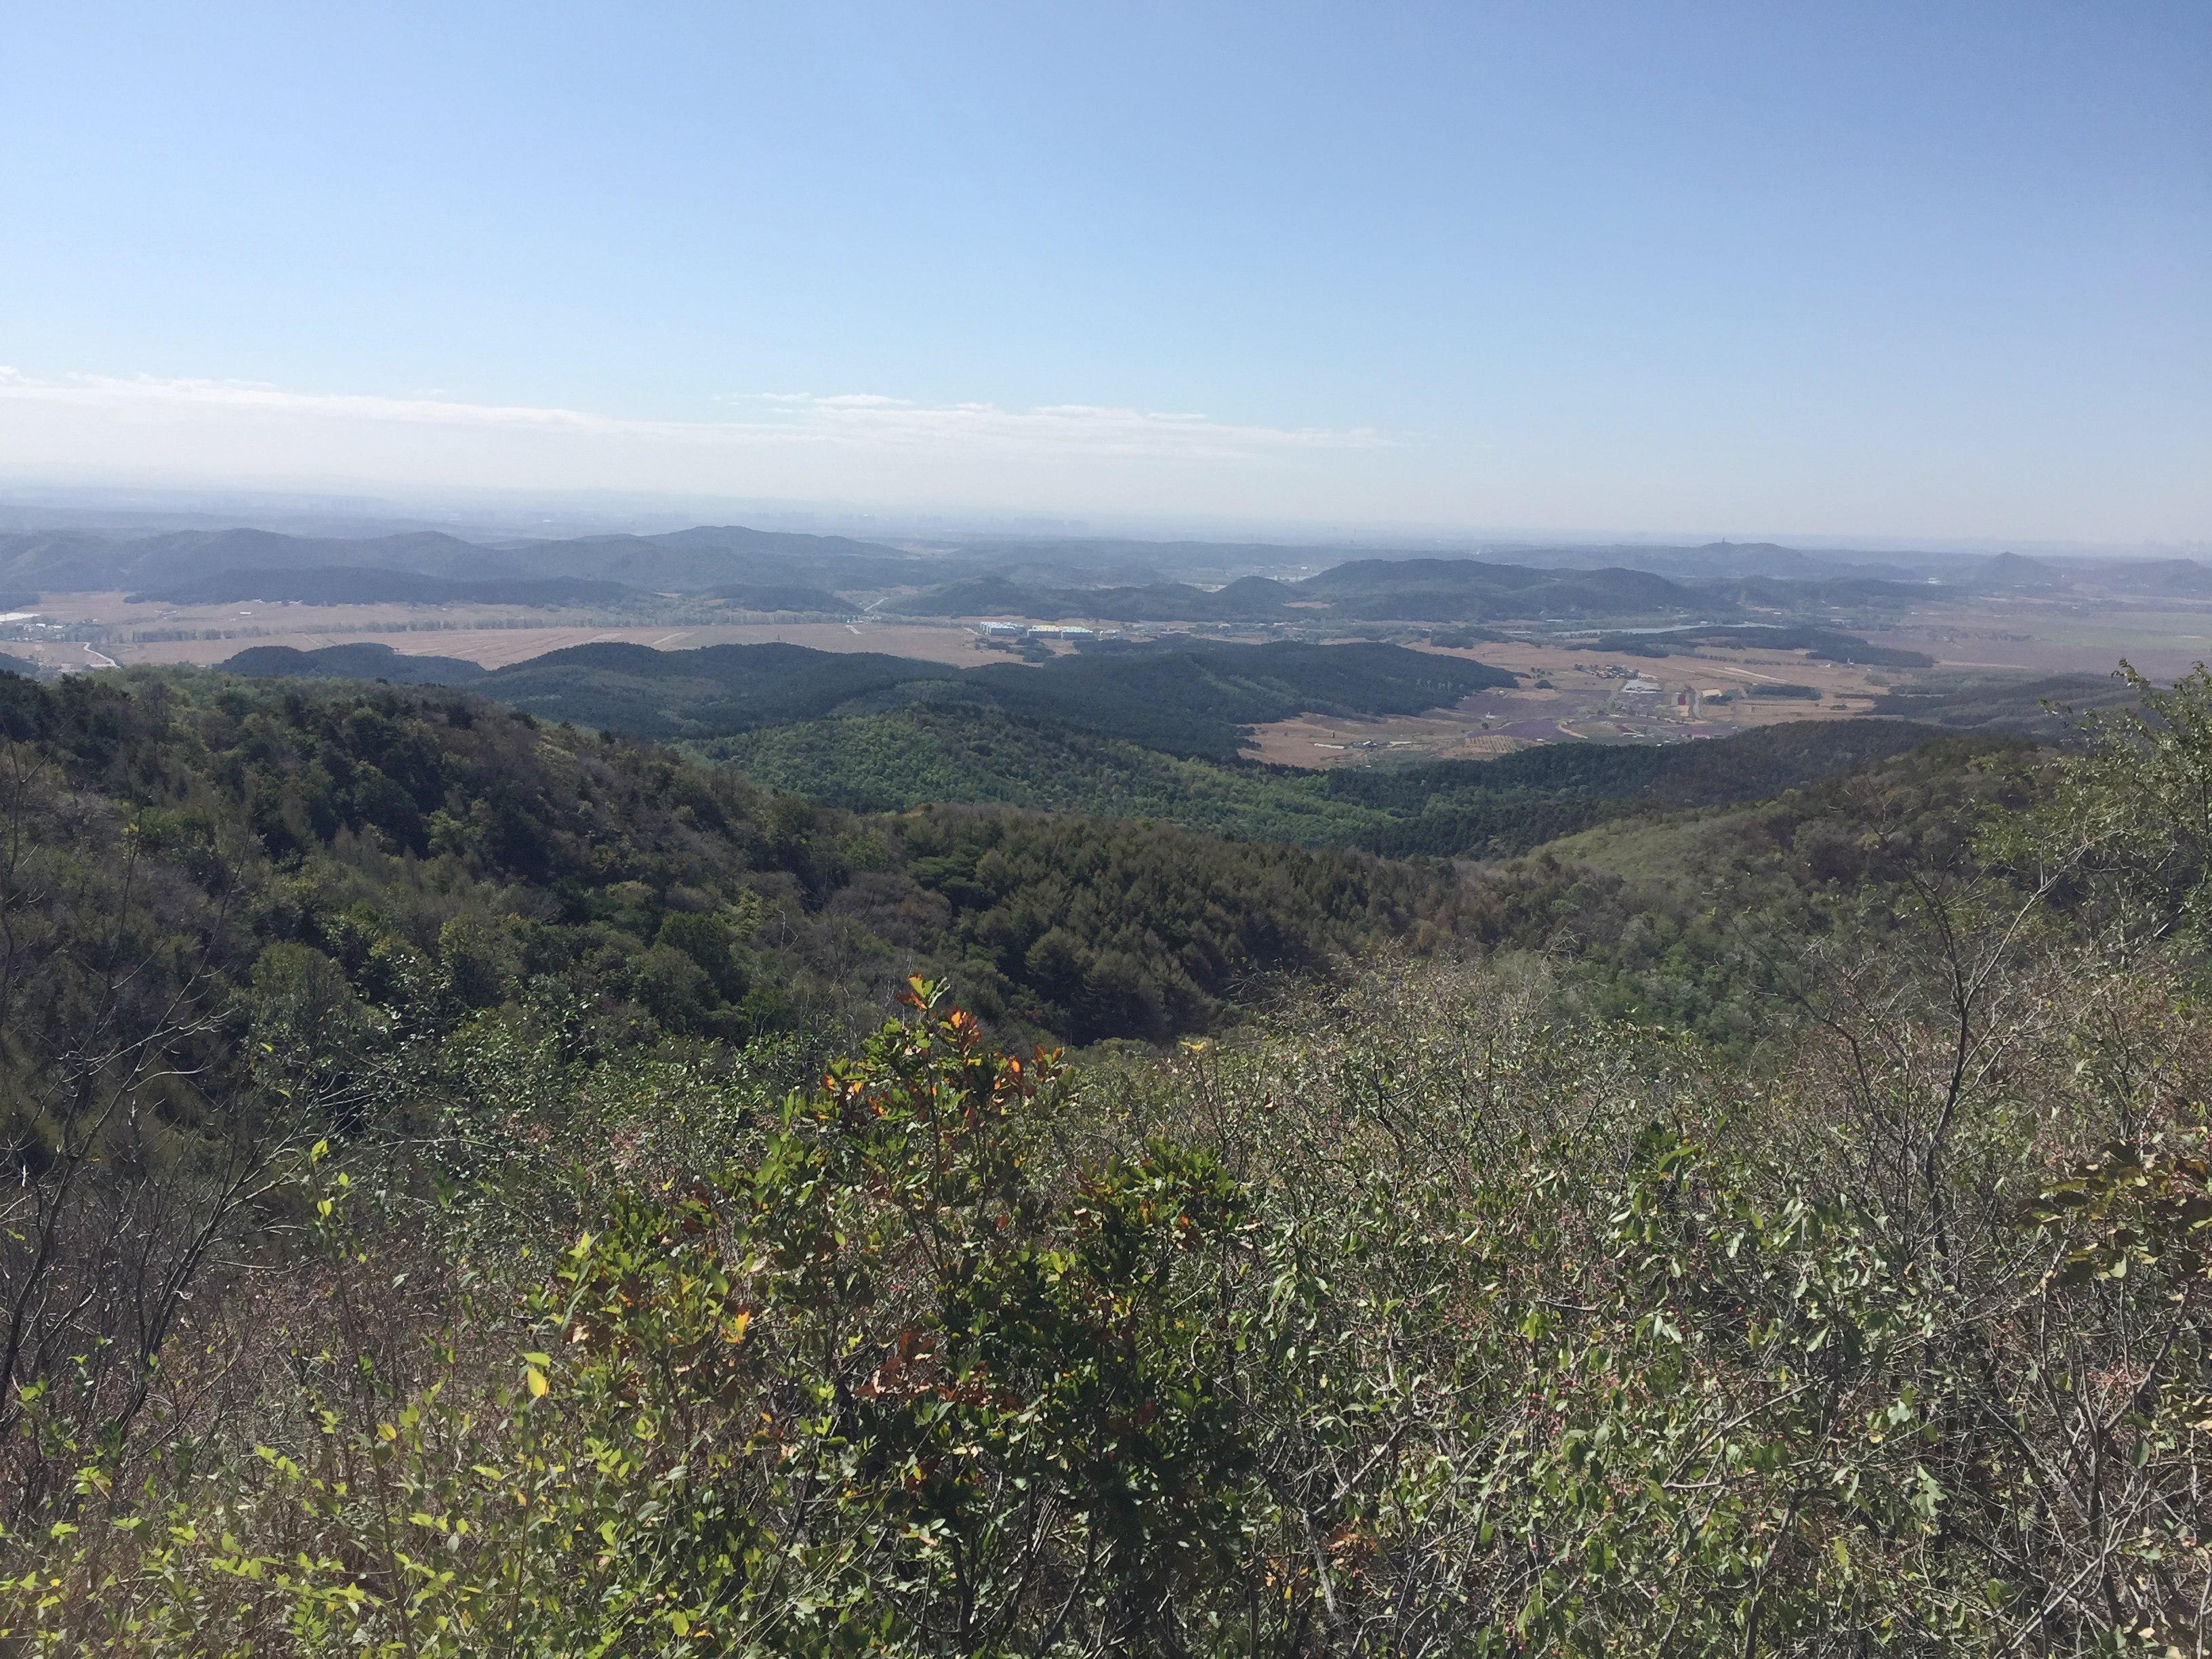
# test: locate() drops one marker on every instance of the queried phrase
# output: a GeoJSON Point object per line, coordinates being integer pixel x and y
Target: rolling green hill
{"type": "Point", "coordinates": [363, 659]}
{"type": "Point", "coordinates": [1181, 697]}
{"type": "Point", "coordinates": [951, 752]}
{"type": "Point", "coordinates": [1521, 800]}
{"type": "Point", "coordinates": [968, 752]}
{"type": "Point", "coordinates": [704, 693]}
{"type": "Point", "coordinates": [1474, 590]}
{"type": "Point", "coordinates": [1200, 698]}
{"type": "Point", "coordinates": [415, 834]}
{"type": "Point", "coordinates": [1144, 732]}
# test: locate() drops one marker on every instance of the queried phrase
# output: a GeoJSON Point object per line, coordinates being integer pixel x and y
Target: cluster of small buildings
{"type": "Point", "coordinates": [1687, 703]}
{"type": "Point", "coordinates": [1009, 630]}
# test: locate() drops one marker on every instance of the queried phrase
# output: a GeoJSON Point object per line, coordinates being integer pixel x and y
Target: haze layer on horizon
{"type": "Point", "coordinates": [1879, 270]}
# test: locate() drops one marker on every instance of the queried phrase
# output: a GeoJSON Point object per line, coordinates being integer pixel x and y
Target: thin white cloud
{"type": "Point", "coordinates": [146, 392]}
{"type": "Point", "coordinates": [865, 420]}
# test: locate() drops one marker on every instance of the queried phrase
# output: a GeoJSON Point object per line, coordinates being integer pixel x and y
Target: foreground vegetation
{"type": "Point", "coordinates": [1437, 1309]}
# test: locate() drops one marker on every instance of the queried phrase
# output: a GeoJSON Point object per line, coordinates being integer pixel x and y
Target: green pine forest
{"type": "Point", "coordinates": [950, 1176]}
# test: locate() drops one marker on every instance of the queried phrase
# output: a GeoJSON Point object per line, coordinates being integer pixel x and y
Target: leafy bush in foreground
{"type": "Point", "coordinates": [1421, 1326]}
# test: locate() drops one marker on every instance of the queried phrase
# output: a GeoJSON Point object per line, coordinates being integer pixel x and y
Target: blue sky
{"type": "Point", "coordinates": [1891, 270]}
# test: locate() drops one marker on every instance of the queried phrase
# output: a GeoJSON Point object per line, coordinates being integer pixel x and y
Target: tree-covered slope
{"type": "Point", "coordinates": [1497, 807]}
{"type": "Point", "coordinates": [715, 690]}
{"type": "Point", "coordinates": [1181, 697]}
{"type": "Point", "coordinates": [961, 752]}
{"type": "Point", "coordinates": [1203, 698]}
{"type": "Point", "coordinates": [442, 855]}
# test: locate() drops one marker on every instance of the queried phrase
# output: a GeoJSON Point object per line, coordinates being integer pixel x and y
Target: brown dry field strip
{"type": "Point", "coordinates": [1585, 701]}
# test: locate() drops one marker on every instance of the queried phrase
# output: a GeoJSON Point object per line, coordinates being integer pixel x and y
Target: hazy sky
{"type": "Point", "coordinates": [1910, 269]}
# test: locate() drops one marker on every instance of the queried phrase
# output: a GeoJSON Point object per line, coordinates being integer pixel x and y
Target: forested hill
{"type": "Point", "coordinates": [448, 854]}
{"type": "Point", "coordinates": [1183, 697]}
{"type": "Point", "coordinates": [1521, 800]}
{"type": "Point", "coordinates": [938, 752]}
{"type": "Point", "coordinates": [429, 855]}
{"type": "Point", "coordinates": [972, 754]}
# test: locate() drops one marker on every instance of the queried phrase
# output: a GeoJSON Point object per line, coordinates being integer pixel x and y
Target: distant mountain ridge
{"type": "Point", "coordinates": [1112, 581]}
{"type": "Point", "coordinates": [1365, 590]}
{"type": "Point", "coordinates": [687, 561]}
{"type": "Point", "coordinates": [358, 585]}
{"type": "Point", "coordinates": [82, 562]}
{"type": "Point", "coordinates": [355, 584]}
{"type": "Point", "coordinates": [692, 560]}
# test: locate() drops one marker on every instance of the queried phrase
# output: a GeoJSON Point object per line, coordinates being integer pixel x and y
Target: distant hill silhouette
{"type": "Point", "coordinates": [998, 596]}
{"type": "Point", "coordinates": [1473, 590]}
{"type": "Point", "coordinates": [362, 660]}
{"type": "Point", "coordinates": [1408, 590]}
{"type": "Point", "coordinates": [1048, 580]}
{"type": "Point", "coordinates": [356, 585]}
{"type": "Point", "coordinates": [2011, 570]}
{"type": "Point", "coordinates": [694, 561]}
{"type": "Point", "coordinates": [1183, 697]}
{"type": "Point", "coordinates": [80, 562]}
{"type": "Point", "coordinates": [684, 560]}
{"type": "Point", "coordinates": [2181, 577]}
